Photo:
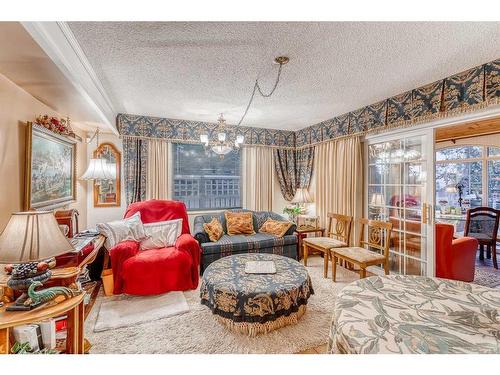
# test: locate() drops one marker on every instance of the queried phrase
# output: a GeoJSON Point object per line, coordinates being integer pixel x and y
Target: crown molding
{"type": "Point", "coordinates": [59, 43]}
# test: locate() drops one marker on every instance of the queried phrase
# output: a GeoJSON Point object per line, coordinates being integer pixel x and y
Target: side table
{"type": "Point", "coordinates": [74, 309]}
{"type": "Point", "coordinates": [302, 232]}
{"type": "Point", "coordinates": [66, 275]}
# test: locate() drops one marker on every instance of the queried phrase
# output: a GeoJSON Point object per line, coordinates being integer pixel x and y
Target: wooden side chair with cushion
{"type": "Point", "coordinates": [379, 234]}
{"type": "Point", "coordinates": [338, 235]}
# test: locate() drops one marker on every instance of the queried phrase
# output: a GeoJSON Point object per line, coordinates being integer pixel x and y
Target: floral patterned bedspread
{"type": "Point", "coordinates": [415, 314]}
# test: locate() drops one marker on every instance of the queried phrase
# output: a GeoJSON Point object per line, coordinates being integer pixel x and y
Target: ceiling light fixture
{"type": "Point", "coordinates": [223, 145]}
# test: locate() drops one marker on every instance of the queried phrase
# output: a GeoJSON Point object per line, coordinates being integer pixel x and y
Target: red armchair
{"type": "Point", "coordinates": [156, 271]}
{"type": "Point", "coordinates": [455, 259]}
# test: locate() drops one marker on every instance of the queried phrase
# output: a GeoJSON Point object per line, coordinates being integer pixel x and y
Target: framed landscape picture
{"type": "Point", "coordinates": [50, 179]}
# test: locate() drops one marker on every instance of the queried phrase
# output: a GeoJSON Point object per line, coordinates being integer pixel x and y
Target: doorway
{"type": "Point", "coordinates": [400, 190]}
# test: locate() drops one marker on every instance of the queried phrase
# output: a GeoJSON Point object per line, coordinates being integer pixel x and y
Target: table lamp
{"type": "Point", "coordinates": [301, 197]}
{"type": "Point", "coordinates": [377, 202]}
{"type": "Point", "coordinates": [28, 245]}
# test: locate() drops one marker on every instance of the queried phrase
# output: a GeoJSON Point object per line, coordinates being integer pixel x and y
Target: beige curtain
{"type": "Point", "coordinates": [338, 173]}
{"type": "Point", "coordinates": [258, 178]}
{"type": "Point", "coordinates": [158, 184]}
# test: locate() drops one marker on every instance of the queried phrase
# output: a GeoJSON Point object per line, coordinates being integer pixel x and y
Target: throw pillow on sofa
{"type": "Point", "coordinates": [275, 227]}
{"type": "Point", "coordinates": [122, 230]}
{"type": "Point", "coordinates": [214, 229]}
{"type": "Point", "coordinates": [161, 234]}
{"type": "Point", "coordinates": [239, 223]}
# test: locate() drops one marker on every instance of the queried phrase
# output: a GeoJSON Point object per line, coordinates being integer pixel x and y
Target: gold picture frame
{"type": "Point", "coordinates": [50, 179]}
{"type": "Point", "coordinates": [104, 194]}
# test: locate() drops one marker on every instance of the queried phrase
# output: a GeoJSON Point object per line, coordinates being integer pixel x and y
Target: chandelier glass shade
{"type": "Point", "coordinates": [222, 145]}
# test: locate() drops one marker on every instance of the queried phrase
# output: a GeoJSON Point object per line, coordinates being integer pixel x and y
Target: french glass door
{"type": "Point", "coordinates": [400, 180]}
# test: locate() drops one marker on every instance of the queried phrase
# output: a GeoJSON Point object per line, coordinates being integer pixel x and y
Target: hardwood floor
{"type": "Point", "coordinates": [318, 350]}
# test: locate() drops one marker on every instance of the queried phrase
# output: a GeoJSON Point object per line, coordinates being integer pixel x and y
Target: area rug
{"type": "Point", "coordinates": [125, 311]}
{"type": "Point", "coordinates": [486, 274]}
{"type": "Point", "coordinates": [198, 332]}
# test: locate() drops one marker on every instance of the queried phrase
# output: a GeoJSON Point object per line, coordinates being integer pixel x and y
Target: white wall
{"type": "Point", "coordinates": [16, 107]}
{"type": "Point", "coordinates": [104, 214]}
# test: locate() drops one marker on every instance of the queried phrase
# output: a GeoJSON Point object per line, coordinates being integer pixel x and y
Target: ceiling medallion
{"type": "Point", "coordinates": [223, 145]}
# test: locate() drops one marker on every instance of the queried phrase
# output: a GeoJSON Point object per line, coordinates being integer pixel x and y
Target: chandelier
{"type": "Point", "coordinates": [223, 145]}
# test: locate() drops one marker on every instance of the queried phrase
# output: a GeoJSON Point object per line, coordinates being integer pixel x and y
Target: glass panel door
{"type": "Point", "coordinates": [399, 191]}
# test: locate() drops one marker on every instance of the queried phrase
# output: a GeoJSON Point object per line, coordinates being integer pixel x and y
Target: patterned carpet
{"type": "Point", "coordinates": [485, 274]}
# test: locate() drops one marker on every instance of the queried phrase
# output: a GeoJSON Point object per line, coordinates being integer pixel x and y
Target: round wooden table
{"type": "Point", "coordinates": [255, 303]}
{"type": "Point", "coordinates": [74, 309]}
{"type": "Point", "coordinates": [415, 314]}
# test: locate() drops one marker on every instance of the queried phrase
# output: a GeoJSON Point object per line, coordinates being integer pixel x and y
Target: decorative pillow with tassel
{"type": "Point", "coordinates": [214, 229]}
{"type": "Point", "coordinates": [239, 223]}
{"type": "Point", "coordinates": [275, 227]}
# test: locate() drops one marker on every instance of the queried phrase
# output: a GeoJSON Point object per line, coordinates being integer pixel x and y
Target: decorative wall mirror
{"type": "Point", "coordinates": [107, 192]}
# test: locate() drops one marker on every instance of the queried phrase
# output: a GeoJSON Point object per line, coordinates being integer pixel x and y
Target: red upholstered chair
{"type": "Point", "coordinates": [455, 259]}
{"type": "Point", "coordinates": [156, 271]}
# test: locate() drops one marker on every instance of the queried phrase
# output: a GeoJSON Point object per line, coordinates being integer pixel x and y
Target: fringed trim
{"type": "Point", "coordinates": [493, 101]}
{"type": "Point", "coordinates": [464, 109]}
{"type": "Point", "coordinates": [193, 142]}
{"type": "Point", "coordinates": [254, 329]}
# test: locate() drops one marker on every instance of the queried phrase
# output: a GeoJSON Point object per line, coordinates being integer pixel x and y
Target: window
{"type": "Point", "coordinates": [204, 181]}
{"type": "Point", "coordinates": [494, 177]}
{"type": "Point", "coordinates": [475, 170]}
{"type": "Point", "coordinates": [459, 153]}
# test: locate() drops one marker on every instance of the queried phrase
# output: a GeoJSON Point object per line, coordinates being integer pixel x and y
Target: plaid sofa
{"type": "Point", "coordinates": [240, 244]}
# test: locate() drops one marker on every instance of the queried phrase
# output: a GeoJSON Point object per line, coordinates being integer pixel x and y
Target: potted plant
{"type": "Point", "coordinates": [293, 211]}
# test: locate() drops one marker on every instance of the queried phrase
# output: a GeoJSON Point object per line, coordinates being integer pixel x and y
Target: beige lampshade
{"type": "Point", "coordinates": [302, 196]}
{"type": "Point", "coordinates": [377, 200]}
{"type": "Point", "coordinates": [111, 170]}
{"type": "Point", "coordinates": [97, 170]}
{"type": "Point", "coordinates": [31, 236]}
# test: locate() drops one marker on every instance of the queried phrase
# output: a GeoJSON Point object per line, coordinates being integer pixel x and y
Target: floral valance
{"type": "Point", "coordinates": [134, 126]}
{"type": "Point", "coordinates": [466, 91]}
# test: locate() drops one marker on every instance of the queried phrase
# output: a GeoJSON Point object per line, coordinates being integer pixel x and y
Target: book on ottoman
{"type": "Point", "coordinates": [260, 267]}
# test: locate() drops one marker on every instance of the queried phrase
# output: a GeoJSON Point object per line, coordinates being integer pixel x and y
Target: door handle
{"type": "Point", "coordinates": [425, 213]}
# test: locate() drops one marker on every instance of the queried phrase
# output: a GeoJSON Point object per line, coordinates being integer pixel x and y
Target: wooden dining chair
{"type": "Point", "coordinates": [378, 238]}
{"type": "Point", "coordinates": [338, 234]}
{"type": "Point", "coordinates": [482, 224]}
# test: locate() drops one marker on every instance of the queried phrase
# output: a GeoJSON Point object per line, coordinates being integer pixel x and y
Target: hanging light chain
{"type": "Point", "coordinates": [257, 87]}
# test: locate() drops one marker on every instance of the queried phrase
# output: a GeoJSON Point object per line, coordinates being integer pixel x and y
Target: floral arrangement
{"type": "Point", "coordinates": [59, 126]}
{"type": "Point", "coordinates": [25, 348]}
{"type": "Point", "coordinates": [293, 211]}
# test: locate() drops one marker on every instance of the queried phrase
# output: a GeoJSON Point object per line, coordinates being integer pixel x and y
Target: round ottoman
{"type": "Point", "coordinates": [255, 303]}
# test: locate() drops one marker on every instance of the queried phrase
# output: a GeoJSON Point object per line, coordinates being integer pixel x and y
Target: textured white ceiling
{"type": "Point", "coordinates": [193, 70]}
